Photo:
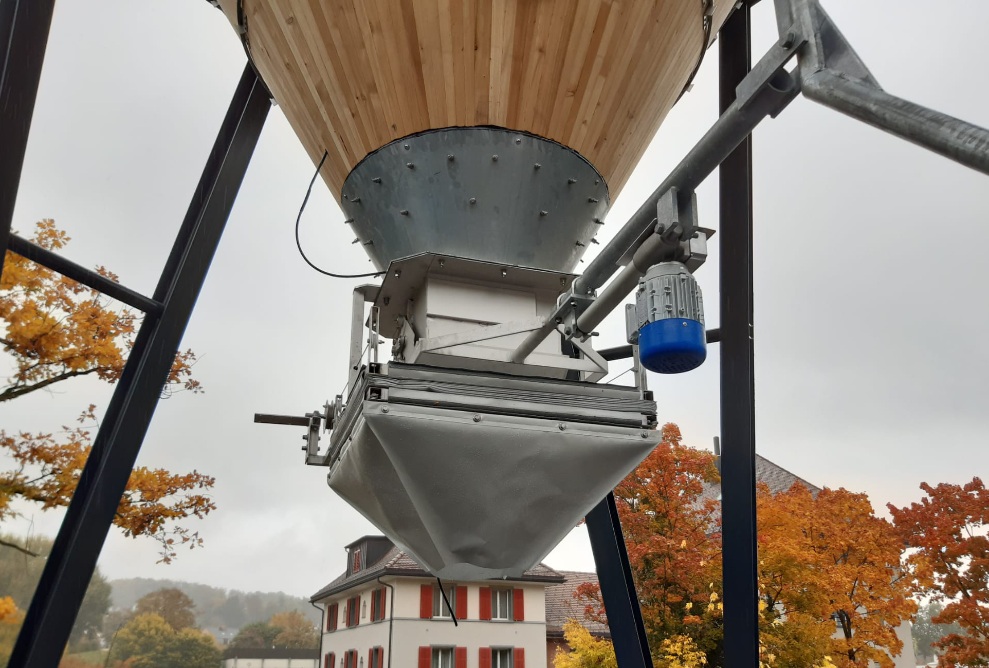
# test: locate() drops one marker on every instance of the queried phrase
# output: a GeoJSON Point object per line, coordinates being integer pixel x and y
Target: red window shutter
{"type": "Point", "coordinates": [486, 612]}
{"type": "Point", "coordinates": [374, 605]}
{"type": "Point", "coordinates": [382, 599]}
{"type": "Point", "coordinates": [460, 657]}
{"type": "Point", "coordinates": [518, 605]}
{"type": "Point", "coordinates": [332, 613]}
{"type": "Point", "coordinates": [461, 602]}
{"type": "Point", "coordinates": [326, 660]}
{"type": "Point", "coordinates": [425, 657]}
{"type": "Point", "coordinates": [332, 657]}
{"type": "Point", "coordinates": [370, 658]}
{"type": "Point", "coordinates": [425, 601]}
{"type": "Point", "coordinates": [519, 658]}
{"type": "Point", "coordinates": [484, 654]}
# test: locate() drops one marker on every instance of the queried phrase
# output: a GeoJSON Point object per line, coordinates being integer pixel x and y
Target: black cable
{"type": "Point", "coordinates": [447, 601]}
{"type": "Point", "coordinates": [298, 244]}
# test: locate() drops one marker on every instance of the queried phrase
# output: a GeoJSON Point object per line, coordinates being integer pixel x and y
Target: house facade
{"type": "Point", "coordinates": [385, 610]}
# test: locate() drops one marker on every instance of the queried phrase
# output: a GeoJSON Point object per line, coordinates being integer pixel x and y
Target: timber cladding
{"type": "Point", "coordinates": [598, 76]}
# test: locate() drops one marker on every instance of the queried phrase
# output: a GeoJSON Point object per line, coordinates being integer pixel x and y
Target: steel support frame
{"type": "Point", "coordinates": [737, 354]}
{"type": "Point", "coordinates": [24, 28]}
{"type": "Point", "coordinates": [87, 521]}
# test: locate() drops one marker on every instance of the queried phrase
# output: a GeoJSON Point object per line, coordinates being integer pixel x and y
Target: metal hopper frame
{"type": "Point", "coordinates": [828, 72]}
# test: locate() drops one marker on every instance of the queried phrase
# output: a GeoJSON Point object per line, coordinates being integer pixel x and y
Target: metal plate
{"type": "Point", "coordinates": [485, 193]}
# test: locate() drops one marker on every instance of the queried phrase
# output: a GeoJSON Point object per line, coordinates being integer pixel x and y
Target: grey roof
{"type": "Point", "coordinates": [269, 653]}
{"type": "Point", "coordinates": [562, 604]}
{"type": "Point", "coordinates": [397, 562]}
{"type": "Point", "coordinates": [777, 478]}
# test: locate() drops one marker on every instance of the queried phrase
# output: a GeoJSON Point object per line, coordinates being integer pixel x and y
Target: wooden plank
{"type": "Point", "coordinates": [596, 75]}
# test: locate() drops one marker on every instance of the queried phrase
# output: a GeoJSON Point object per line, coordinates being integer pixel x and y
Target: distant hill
{"type": "Point", "coordinates": [215, 607]}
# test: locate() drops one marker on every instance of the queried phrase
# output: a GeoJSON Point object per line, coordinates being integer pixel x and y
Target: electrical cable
{"type": "Point", "coordinates": [447, 601]}
{"type": "Point", "coordinates": [298, 244]}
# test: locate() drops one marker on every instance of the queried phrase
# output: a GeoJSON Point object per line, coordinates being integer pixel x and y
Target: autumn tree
{"type": "Point", "coordinates": [284, 630]}
{"type": "Point", "coordinates": [170, 604]}
{"type": "Point", "coordinates": [54, 329]}
{"type": "Point", "coordinates": [926, 632]}
{"type": "Point", "coordinates": [949, 561]}
{"type": "Point", "coordinates": [148, 641]}
{"type": "Point", "coordinates": [20, 573]}
{"type": "Point", "coordinates": [586, 651]}
{"type": "Point", "coordinates": [828, 562]}
{"type": "Point", "coordinates": [672, 532]}
{"type": "Point", "coordinates": [294, 630]}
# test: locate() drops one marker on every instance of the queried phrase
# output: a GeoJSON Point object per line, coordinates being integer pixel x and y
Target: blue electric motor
{"type": "Point", "coordinates": [668, 320]}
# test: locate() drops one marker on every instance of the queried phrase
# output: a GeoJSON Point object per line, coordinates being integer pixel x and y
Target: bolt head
{"type": "Point", "coordinates": [385, 409]}
{"type": "Point", "coordinates": [562, 426]}
{"type": "Point", "coordinates": [477, 418]}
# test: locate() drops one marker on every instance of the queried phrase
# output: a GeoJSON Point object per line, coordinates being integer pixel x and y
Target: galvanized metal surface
{"type": "Point", "coordinates": [773, 90]}
{"type": "Point", "coordinates": [474, 495]}
{"type": "Point", "coordinates": [832, 74]}
{"type": "Point", "coordinates": [668, 291]}
{"type": "Point", "coordinates": [483, 192]}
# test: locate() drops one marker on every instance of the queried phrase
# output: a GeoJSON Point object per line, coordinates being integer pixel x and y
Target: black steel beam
{"type": "Point", "coordinates": [77, 547]}
{"type": "Point", "coordinates": [737, 366]}
{"type": "Point", "coordinates": [621, 602]}
{"type": "Point", "coordinates": [24, 27]}
{"type": "Point", "coordinates": [87, 277]}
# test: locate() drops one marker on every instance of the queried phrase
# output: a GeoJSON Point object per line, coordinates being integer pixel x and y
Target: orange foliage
{"type": "Point", "coordinates": [48, 470]}
{"type": "Point", "coordinates": [672, 533]}
{"type": "Point", "coordinates": [56, 329]}
{"type": "Point", "coordinates": [832, 559]}
{"type": "Point", "coordinates": [950, 563]}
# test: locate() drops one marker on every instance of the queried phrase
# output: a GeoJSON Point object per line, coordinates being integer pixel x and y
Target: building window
{"type": "Point", "coordinates": [332, 616]}
{"type": "Point", "coordinates": [330, 660]}
{"type": "Point", "coordinates": [376, 659]}
{"type": "Point", "coordinates": [501, 657]}
{"type": "Point", "coordinates": [442, 657]}
{"type": "Point", "coordinates": [350, 659]}
{"type": "Point", "coordinates": [440, 608]}
{"type": "Point", "coordinates": [355, 560]}
{"type": "Point", "coordinates": [353, 610]}
{"type": "Point", "coordinates": [501, 604]}
{"type": "Point", "coordinates": [378, 604]}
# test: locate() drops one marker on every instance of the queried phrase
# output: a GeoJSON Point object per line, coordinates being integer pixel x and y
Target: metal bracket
{"type": "Point", "coordinates": [313, 422]}
{"type": "Point", "coordinates": [832, 74]}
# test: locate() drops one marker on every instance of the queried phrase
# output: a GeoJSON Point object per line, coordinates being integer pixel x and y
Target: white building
{"type": "Point", "coordinates": [385, 610]}
{"type": "Point", "coordinates": [250, 657]}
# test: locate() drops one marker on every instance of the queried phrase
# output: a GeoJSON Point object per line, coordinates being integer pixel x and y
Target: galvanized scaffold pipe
{"type": "Point", "coordinates": [766, 92]}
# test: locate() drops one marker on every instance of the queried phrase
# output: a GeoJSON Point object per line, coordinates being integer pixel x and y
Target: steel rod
{"type": "Point", "coordinates": [87, 521]}
{"type": "Point", "coordinates": [87, 277]}
{"type": "Point", "coordinates": [738, 511]}
{"type": "Point", "coordinates": [24, 28]}
{"type": "Point", "coordinates": [963, 142]}
{"type": "Point", "coordinates": [732, 127]}
{"type": "Point", "coordinates": [735, 124]}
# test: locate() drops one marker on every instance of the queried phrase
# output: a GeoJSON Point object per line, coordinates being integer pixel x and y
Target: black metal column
{"type": "Point", "coordinates": [737, 366]}
{"type": "Point", "coordinates": [621, 603]}
{"type": "Point", "coordinates": [24, 26]}
{"type": "Point", "coordinates": [90, 514]}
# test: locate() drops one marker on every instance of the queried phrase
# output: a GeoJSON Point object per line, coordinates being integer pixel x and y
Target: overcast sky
{"type": "Point", "coordinates": [870, 277]}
